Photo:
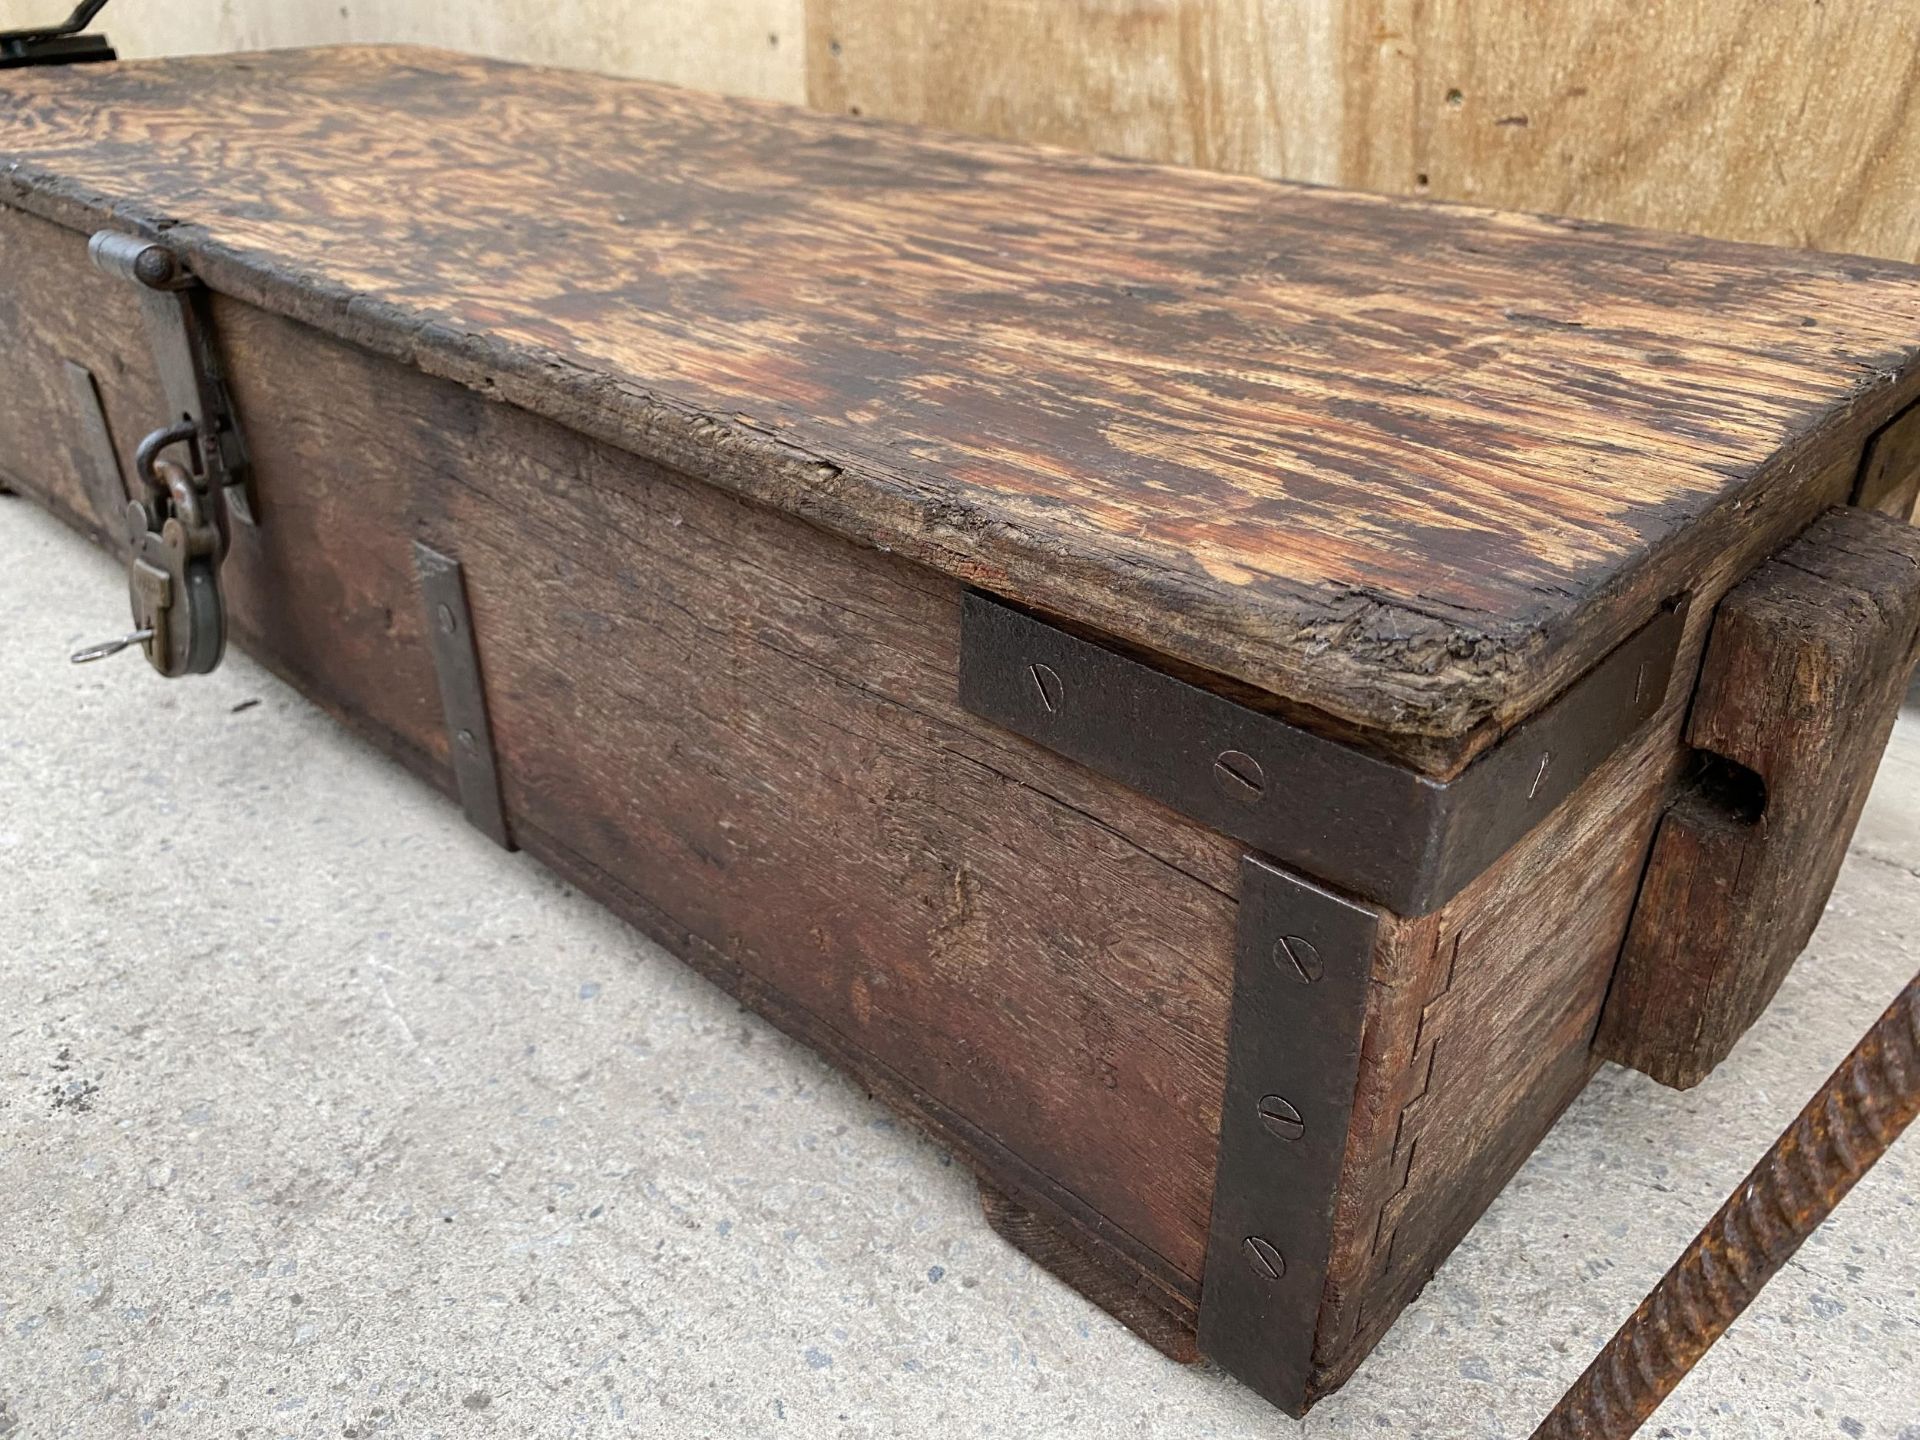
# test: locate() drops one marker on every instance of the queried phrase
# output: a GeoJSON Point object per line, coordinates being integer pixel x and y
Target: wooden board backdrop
{"type": "Point", "coordinates": [1790, 121]}
{"type": "Point", "coordinates": [1795, 122]}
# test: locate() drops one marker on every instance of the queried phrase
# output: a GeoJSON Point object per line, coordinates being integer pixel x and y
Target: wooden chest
{"type": "Point", "coordinates": [1223, 700]}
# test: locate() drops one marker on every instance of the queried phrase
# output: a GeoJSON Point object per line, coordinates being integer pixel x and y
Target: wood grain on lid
{"type": "Point", "coordinates": [1410, 466]}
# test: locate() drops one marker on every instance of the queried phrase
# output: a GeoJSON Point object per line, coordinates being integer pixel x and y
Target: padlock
{"type": "Point", "coordinates": [173, 576]}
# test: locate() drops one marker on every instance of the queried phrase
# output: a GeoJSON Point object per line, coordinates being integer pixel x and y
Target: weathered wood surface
{"type": "Point", "coordinates": [1481, 1017]}
{"type": "Point", "coordinates": [738, 731]}
{"type": "Point", "coordinates": [1788, 123]}
{"type": "Point", "coordinates": [1890, 469]}
{"type": "Point", "coordinates": [1412, 467]}
{"type": "Point", "coordinates": [1807, 664]}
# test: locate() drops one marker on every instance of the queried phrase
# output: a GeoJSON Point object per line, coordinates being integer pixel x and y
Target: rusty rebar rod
{"type": "Point", "coordinates": [1844, 1129]}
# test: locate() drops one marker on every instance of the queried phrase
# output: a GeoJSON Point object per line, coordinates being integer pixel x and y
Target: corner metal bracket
{"type": "Point", "coordinates": [456, 663]}
{"type": "Point", "coordinates": [1382, 831]}
{"type": "Point", "coordinates": [1303, 957]}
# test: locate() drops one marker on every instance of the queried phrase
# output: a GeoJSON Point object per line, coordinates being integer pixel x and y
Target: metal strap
{"type": "Point", "coordinates": [1301, 970]}
{"type": "Point", "coordinates": [1377, 829]}
{"type": "Point", "coordinates": [456, 661]}
{"type": "Point", "coordinates": [100, 462]}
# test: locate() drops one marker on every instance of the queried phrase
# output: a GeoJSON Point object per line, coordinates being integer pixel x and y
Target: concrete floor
{"type": "Point", "coordinates": [321, 1117]}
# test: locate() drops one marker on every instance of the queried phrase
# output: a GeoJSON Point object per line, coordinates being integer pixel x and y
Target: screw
{"type": "Point", "coordinates": [465, 737]}
{"type": "Point", "coordinates": [1279, 1116]}
{"type": "Point", "coordinates": [1298, 959]}
{"type": "Point", "coordinates": [1239, 775]}
{"type": "Point", "coordinates": [1267, 1262]}
{"type": "Point", "coordinates": [1048, 684]}
{"type": "Point", "coordinates": [447, 623]}
{"type": "Point", "coordinates": [1540, 775]}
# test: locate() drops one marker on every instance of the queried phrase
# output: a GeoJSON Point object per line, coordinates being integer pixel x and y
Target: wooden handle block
{"type": "Point", "coordinates": [1803, 674]}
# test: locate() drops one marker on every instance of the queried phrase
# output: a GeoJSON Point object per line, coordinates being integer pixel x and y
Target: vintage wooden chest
{"type": "Point", "coordinates": [1224, 700]}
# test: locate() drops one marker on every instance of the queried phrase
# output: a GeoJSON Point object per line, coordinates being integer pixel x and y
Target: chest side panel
{"type": "Point", "coordinates": [740, 731]}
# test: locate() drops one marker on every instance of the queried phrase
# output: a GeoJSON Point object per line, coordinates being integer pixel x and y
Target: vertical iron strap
{"type": "Point", "coordinates": [456, 662]}
{"type": "Point", "coordinates": [106, 485]}
{"type": "Point", "coordinates": [1303, 957]}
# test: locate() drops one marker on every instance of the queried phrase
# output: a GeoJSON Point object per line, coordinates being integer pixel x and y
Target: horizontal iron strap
{"type": "Point", "coordinates": [463, 698]}
{"type": "Point", "coordinates": [1376, 829]}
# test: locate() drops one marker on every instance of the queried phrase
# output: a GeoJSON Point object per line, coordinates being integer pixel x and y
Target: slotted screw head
{"type": "Point", "coordinates": [1267, 1262]}
{"type": "Point", "coordinates": [1047, 683]}
{"type": "Point", "coordinates": [1278, 1114]}
{"type": "Point", "coordinates": [1298, 959]}
{"type": "Point", "coordinates": [1239, 776]}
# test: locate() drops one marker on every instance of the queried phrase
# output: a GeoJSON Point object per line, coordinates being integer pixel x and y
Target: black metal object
{"type": "Point", "coordinates": [1379, 830]}
{"type": "Point", "coordinates": [1301, 969]}
{"type": "Point", "coordinates": [106, 486]}
{"type": "Point", "coordinates": [456, 662]}
{"type": "Point", "coordinates": [61, 44]}
{"type": "Point", "coordinates": [1843, 1130]}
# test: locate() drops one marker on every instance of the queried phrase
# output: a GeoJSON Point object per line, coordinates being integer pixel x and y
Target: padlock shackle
{"type": "Point", "coordinates": [149, 450]}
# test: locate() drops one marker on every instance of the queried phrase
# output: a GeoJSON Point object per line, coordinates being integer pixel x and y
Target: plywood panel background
{"type": "Point", "coordinates": [740, 47]}
{"type": "Point", "coordinates": [1790, 121]}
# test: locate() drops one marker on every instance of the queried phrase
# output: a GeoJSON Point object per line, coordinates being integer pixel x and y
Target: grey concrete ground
{"type": "Point", "coordinates": [321, 1117]}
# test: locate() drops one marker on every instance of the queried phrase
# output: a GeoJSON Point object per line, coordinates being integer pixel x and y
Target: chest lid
{"type": "Point", "coordinates": [1411, 467]}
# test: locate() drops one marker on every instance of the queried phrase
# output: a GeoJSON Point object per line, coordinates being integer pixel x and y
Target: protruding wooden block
{"type": "Point", "coordinates": [1804, 671]}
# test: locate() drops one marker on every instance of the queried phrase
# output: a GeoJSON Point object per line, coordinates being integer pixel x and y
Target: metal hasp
{"type": "Point", "coordinates": [61, 44]}
{"type": "Point", "coordinates": [180, 334]}
{"type": "Point", "coordinates": [1379, 830]}
{"type": "Point", "coordinates": [1850, 1122]}
{"type": "Point", "coordinates": [1303, 958]}
{"type": "Point", "coordinates": [190, 471]}
{"type": "Point", "coordinates": [456, 662]}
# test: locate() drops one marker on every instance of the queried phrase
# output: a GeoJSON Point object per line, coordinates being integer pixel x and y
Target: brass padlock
{"type": "Point", "coordinates": [173, 575]}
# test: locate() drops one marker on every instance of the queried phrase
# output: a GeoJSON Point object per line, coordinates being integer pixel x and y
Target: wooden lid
{"type": "Point", "coordinates": [1413, 466]}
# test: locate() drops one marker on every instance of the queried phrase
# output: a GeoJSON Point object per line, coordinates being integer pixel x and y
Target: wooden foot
{"type": "Point", "coordinates": [1131, 1305]}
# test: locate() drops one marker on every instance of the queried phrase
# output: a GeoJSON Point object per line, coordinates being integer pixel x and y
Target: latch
{"type": "Point", "coordinates": [193, 473]}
